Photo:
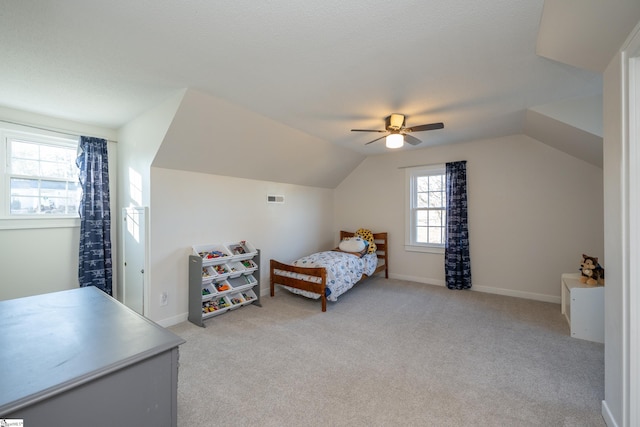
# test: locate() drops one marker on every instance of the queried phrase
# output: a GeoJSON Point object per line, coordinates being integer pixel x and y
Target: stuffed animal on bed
{"type": "Point", "coordinates": [368, 236]}
{"type": "Point", "coordinates": [354, 245]}
{"type": "Point", "coordinates": [591, 272]}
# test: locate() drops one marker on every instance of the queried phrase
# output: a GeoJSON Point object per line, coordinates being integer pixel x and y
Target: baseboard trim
{"type": "Point", "coordinates": [265, 291]}
{"type": "Point", "coordinates": [607, 415]}
{"type": "Point", "coordinates": [518, 294]}
{"type": "Point", "coordinates": [486, 289]}
{"type": "Point", "coordinates": [425, 280]}
{"type": "Point", "coordinates": [171, 321]}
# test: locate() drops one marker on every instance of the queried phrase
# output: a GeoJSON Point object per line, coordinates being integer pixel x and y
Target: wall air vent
{"type": "Point", "coordinates": [275, 199]}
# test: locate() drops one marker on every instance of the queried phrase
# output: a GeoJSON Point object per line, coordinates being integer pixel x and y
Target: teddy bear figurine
{"type": "Point", "coordinates": [591, 272]}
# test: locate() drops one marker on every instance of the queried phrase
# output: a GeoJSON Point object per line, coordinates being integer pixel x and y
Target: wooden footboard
{"type": "Point", "coordinates": [310, 286]}
{"type": "Point", "coordinates": [319, 274]}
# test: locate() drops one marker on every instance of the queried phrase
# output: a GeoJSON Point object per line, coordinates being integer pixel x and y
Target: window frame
{"type": "Point", "coordinates": [10, 132]}
{"type": "Point", "coordinates": [411, 176]}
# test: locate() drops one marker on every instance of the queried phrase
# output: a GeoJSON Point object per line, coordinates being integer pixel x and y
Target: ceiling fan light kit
{"type": "Point", "coordinates": [398, 134]}
{"type": "Point", "coordinates": [394, 140]}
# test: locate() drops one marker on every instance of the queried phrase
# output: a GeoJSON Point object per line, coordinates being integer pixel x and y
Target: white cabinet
{"type": "Point", "coordinates": [583, 307]}
{"type": "Point", "coordinates": [222, 277]}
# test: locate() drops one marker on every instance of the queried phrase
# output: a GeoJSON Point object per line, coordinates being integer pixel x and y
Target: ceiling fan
{"type": "Point", "coordinates": [397, 134]}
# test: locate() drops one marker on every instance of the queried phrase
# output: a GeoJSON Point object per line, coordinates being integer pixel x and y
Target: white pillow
{"type": "Point", "coordinates": [352, 244]}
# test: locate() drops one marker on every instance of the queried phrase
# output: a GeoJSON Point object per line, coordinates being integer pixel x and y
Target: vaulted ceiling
{"type": "Point", "coordinates": [485, 69]}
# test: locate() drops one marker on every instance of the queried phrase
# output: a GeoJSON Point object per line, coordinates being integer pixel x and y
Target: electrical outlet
{"type": "Point", "coordinates": [164, 297]}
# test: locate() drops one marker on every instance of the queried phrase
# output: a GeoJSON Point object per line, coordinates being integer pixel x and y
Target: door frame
{"type": "Point", "coordinates": [631, 216]}
{"type": "Point", "coordinates": [144, 211]}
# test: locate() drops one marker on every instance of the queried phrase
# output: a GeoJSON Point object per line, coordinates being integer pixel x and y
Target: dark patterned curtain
{"type": "Point", "coordinates": [457, 264]}
{"type": "Point", "coordinates": [95, 268]}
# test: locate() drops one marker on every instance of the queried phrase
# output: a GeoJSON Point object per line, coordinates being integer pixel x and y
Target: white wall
{"type": "Point", "coordinates": [139, 143]}
{"type": "Point", "coordinates": [140, 140]}
{"type": "Point", "coordinates": [583, 113]}
{"type": "Point", "coordinates": [38, 261]}
{"type": "Point", "coordinates": [41, 260]}
{"type": "Point", "coordinates": [189, 208]}
{"type": "Point", "coordinates": [533, 211]}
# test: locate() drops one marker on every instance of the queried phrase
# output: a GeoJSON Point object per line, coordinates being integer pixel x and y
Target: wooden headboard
{"type": "Point", "coordinates": [381, 240]}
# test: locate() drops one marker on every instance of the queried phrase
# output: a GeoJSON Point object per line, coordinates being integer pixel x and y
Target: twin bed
{"type": "Point", "coordinates": [327, 275]}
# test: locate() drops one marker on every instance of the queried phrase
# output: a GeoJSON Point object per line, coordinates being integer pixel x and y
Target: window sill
{"type": "Point", "coordinates": [425, 249]}
{"type": "Point", "coordinates": [34, 223]}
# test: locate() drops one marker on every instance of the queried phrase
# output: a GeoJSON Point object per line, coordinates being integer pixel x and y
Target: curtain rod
{"type": "Point", "coordinates": [420, 166]}
{"type": "Point", "coordinates": [430, 164]}
{"type": "Point", "coordinates": [61, 132]}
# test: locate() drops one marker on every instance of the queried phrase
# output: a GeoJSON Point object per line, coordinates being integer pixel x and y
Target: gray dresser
{"type": "Point", "coordinates": [80, 358]}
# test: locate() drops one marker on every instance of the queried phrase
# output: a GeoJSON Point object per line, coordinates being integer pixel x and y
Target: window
{"type": "Point", "coordinates": [40, 176]}
{"type": "Point", "coordinates": [426, 209]}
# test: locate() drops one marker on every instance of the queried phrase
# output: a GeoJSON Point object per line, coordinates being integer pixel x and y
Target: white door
{"type": "Point", "coordinates": [134, 257]}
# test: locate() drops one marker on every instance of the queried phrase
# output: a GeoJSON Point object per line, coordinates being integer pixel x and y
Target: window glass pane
{"type": "Point", "coordinates": [25, 167]}
{"type": "Point", "coordinates": [21, 205]}
{"type": "Point", "coordinates": [422, 183]}
{"type": "Point", "coordinates": [24, 196]}
{"type": "Point", "coordinates": [55, 205]}
{"type": "Point", "coordinates": [422, 218]}
{"type": "Point", "coordinates": [56, 170]}
{"type": "Point", "coordinates": [436, 182]}
{"type": "Point", "coordinates": [24, 150]}
{"type": "Point", "coordinates": [53, 187]}
{"type": "Point", "coordinates": [421, 235]}
{"type": "Point", "coordinates": [435, 235]}
{"type": "Point", "coordinates": [21, 186]}
{"type": "Point", "coordinates": [436, 199]}
{"type": "Point", "coordinates": [423, 200]}
{"type": "Point", "coordinates": [435, 218]}
{"type": "Point", "coordinates": [59, 196]}
{"type": "Point", "coordinates": [50, 153]}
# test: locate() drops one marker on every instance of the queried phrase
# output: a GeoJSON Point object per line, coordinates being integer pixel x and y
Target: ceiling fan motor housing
{"type": "Point", "coordinates": [394, 122]}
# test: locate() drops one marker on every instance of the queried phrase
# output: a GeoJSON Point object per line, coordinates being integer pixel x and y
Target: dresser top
{"type": "Point", "coordinates": [55, 341]}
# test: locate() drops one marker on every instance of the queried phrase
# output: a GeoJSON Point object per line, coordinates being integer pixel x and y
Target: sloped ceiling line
{"type": "Point", "coordinates": [213, 136]}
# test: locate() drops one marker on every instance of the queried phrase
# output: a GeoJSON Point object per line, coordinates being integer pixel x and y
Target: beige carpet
{"type": "Point", "coordinates": [390, 353]}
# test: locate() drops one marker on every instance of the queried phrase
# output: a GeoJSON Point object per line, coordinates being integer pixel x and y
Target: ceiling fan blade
{"type": "Point", "coordinates": [411, 140]}
{"type": "Point", "coordinates": [420, 128]}
{"type": "Point", "coordinates": [377, 139]}
{"type": "Point", "coordinates": [366, 130]}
